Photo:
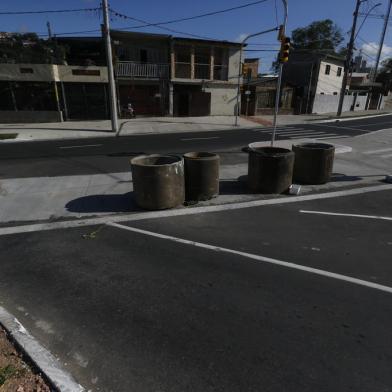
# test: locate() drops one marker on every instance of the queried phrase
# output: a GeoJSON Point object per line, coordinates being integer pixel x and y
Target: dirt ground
{"type": "Point", "coordinates": [15, 374]}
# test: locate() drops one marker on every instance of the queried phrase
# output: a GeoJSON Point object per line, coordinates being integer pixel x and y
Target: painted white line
{"type": "Point", "coordinates": [338, 127]}
{"type": "Point", "coordinates": [298, 133]}
{"type": "Point", "coordinates": [283, 130]}
{"type": "Point", "coordinates": [200, 138]}
{"type": "Point", "coordinates": [348, 215]}
{"type": "Point", "coordinates": [386, 156]}
{"type": "Point", "coordinates": [354, 118]}
{"type": "Point", "coordinates": [187, 211]}
{"type": "Point", "coordinates": [336, 137]}
{"type": "Point", "coordinates": [252, 256]}
{"type": "Point", "coordinates": [377, 151]}
{"type": "Point", "coordinates": [81, 146]}
{"type": "Point", "coordinates": [40, 356]}
{"type": "Point", "coordinates": [316, 136]}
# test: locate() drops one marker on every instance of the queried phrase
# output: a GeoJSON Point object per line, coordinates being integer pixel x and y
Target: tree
{"type": "Point", "coordinates": [29, 48]}
{"type": "Point", "coordinates": [323, 35]}
{"type": "Point", "coordinates": [385, 75]}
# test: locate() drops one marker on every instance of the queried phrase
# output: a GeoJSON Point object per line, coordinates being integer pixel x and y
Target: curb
{"type": "Point", "coordinates": [343, 119]}
{"type": "Point", "coordinates": [112, 135]}
{"type": "Point", "coordinates": [40, 356]}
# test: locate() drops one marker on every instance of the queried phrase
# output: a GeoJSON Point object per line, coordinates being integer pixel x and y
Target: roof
{"type": "Point", "coordinates": [134, 34]}
{"type": "Point", "coordinates": [210, 41]}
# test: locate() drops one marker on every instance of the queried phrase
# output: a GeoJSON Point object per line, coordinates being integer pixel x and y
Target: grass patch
{"type": "Point", "coordinates": [6, 373]}
{"type": "Point", "coordinates": [8, 136]}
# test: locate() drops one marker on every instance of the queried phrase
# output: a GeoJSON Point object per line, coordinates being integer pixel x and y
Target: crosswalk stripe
{"type": "Point", "coordinates": [314, 136]}
{"type": "Point", "coordinates": [386, 156]}
{"type": "Point", "coordinates": [377, 151]}
{"type": "Point", "coordinates": [300, 133]}
{"type": "Point", "coordinates": [334, 137]}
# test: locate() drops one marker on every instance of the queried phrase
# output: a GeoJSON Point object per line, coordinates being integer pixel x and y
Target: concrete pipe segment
{"type": "Point", "coordinates": [201, 175]}
{"type": "Point", "coordinates": [313, 163]}
{"type": "Point", "coordinates": [270, 169]}
{"type": "Point", "coordinates": [158, 181]}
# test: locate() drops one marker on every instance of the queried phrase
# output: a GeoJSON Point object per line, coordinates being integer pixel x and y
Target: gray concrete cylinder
{"type": "Point", "coordinates": [158, 181]}
{"type": "Point", "coordinates": [270, 169]}
{"type": "Point", "coordinates": [313, 163]}
{"type": "Point", "coordinates": [201, 175]}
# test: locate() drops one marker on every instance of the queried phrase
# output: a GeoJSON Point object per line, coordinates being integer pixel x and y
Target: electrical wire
{"type": "Point", "coordinates": [49, 11]}
{"type": "Point", "coordinates": [148, 24]}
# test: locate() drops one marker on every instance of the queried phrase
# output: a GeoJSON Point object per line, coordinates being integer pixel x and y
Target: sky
{"type": "Point", "coordinates": [230, 26]}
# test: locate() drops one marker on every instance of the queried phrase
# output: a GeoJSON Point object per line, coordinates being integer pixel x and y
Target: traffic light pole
{"type": "Point", "coordinates": [279, 84]}
{"type": "Point", "coordinates": [237, 109]}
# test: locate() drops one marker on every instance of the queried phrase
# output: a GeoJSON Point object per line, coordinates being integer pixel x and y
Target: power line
{"type": "Point", "coordinates": [49, 11]}
{"type": "Point", "coordinates": [147, 24]}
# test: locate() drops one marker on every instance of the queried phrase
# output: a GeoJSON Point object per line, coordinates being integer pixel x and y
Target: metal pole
{"type": "Point", "coordinates": [309, 88]}
{"type": "Point", "coordinates": [109, 60]}
{"type": "Point", "coordinates": [384, 30]}
{"type": "Point", "coordinates": [237, 110]}
{"type": "Point", "coordinates": [49, 30]}
{"type": "Point", "coordinates": [239, 69]}
{"type": "Point", "coordinates": [279, 85]}
{"type": "Point", "coordinates": [349, 56]}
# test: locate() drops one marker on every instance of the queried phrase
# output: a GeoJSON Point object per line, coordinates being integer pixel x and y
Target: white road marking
{"type": "Point", "coordinates": [354, 118]}
{"type": "Point", "coordinates": [264, 259]}
{"type": "Point", "coordinates": [200, 138]}
{"type": "Point", "coordinates": [386, 156]}
{"type": "Point", "coordinates": [377, 151]}
{"type": "Point", "coordinates": [81, 146]}
{"type": "Point", "coordinates": [338, 127]}
{"type": "Point", "coordinates": [349, 215]}
{"type": "Point", "coordinates": [299, 133]}
{"type": "Point", "coordinates": [281, 130]}
{"type": "Point", "coordinates": [335, 137]}
{"type": "Point", "coordinates": [186, 211]}
{"type": "Point", "coordinates": [316, 136]}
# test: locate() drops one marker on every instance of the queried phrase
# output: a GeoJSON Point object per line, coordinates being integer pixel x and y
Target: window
{"type": "Point", "coordinates": [86, 72]}
{"type": "Point", "coordinates": [327, 69]}
{"type": "Point", "coordinates": [182, 61]}
{"type": "Point", "coordinates": [339, 72]}
{"type": "Point", "coordinates": [335, 93]}
{"type": "Point", "coordinates": [221, 61]}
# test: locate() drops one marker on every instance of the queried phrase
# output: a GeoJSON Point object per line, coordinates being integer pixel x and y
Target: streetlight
{"type": "Point", "coordinates": [239, 68]}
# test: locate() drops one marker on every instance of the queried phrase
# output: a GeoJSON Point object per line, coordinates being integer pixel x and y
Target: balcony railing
{"type": "Point", "coordinates": [141, 70]}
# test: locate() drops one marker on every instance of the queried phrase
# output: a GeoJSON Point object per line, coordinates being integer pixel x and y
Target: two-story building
{"type": "Point", "coordinates": [317, 78]}
{"type": "Point", "coordinates": [165, 75]}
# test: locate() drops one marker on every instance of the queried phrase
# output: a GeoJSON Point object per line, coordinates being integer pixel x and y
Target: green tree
{"type": "Point", "coordinates": [385, 75]}
{"type": "Point", "coordinates": [29, 48]}
{"type": "Point", "coordinates": [322, 35]}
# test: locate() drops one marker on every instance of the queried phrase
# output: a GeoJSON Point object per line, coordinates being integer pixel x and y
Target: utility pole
{"type": "Point", "coordinates": [282, 32]}
{"type": "Point", "coordinates": [384, 30]}
{"type": "Point", "coordinates": [109, 60]}
{"type": "Point", "coordinates": [349, 56]}
{"type": "Point", "coordinates": [49, 30]}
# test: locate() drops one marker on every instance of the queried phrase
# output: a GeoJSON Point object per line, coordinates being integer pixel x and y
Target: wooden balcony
{"type": "Point", "coordinates": [131, 69]}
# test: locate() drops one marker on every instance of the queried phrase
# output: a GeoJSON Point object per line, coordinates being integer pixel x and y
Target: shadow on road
{"type": "Point", "coordinates": [234, 187]}
{"type": "Point", "coordinates": [103, 203]}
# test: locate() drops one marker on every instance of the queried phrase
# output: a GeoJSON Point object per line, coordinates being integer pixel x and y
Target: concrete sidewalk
{"type": "Point", "coordinates": [360, 161]}
{"type": "Point", "coordinates": [288, 119]}
{"type": "Point", "coordinates": [158, 125]}
{"type": "Point", "coordinates": [137, 126]}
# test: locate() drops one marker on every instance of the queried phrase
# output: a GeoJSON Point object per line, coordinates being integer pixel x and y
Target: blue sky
{"type": "Point", "coordinates": [229, 26]}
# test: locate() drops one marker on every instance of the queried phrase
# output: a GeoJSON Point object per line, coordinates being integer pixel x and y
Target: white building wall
{"type": "Point", "coordinates": [332, 83]}
{"type": "Point", "coordinates": [223, 100]}
{"type": "Point", "coordinates": [50, 73]}
{"type": "Point", "coordinates": [234, 64]}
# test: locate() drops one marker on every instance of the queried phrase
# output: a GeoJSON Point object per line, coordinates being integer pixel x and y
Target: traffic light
{"type": "Point", "coordinates": [284, 50]}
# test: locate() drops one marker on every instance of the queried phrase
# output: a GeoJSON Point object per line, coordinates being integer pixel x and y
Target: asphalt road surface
{"type": "Point", "coordinates": [142, 307]}
{"type": "Point", "coordinates": [102, 155]}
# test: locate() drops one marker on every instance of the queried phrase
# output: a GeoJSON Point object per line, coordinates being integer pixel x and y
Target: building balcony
{"type": "Point", "coordinates": [131, 69]}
